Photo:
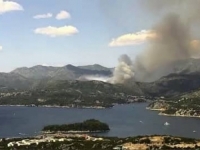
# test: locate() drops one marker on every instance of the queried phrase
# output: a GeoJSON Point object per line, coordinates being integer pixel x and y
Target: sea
{"type": "Point", "coordinates": [124, 121]}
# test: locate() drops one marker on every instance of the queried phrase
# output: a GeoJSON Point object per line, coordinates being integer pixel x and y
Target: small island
{"type": "Point", "coordinates": [88, 126]}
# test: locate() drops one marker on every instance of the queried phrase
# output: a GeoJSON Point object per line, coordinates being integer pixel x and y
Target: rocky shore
{"type": "Point", "coordinates": [167, 109]}
{"type": "Point", "coordinates": [158, 106]}
{"type": "Point", "coordinates": [182, 113]}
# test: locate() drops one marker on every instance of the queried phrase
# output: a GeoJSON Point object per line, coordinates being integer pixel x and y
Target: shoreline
{"type": "Point", "coordinates": [72, 132]}
{"type": "Point", "coordinates": [68, 107]}
{"type": "Point", "coordinates": [170, 115]}
{"type": "Point", "coordinates": [57, 106]}
{"type": "Point", "coordinates": [161, 109]}
{"type": "Point", "coordinates": [173, 115]}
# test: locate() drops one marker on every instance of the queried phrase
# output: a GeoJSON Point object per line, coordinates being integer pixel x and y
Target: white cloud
{"type": "Point", "coordinates": [43, 16]}
{"type": "Point", "coordinates": [57, 31]}
{"type": "Point", "coordinates": [63, 15]}
{"type": "Point", "coordinates": [133, 39]}
{"type": "Point", "coordinates": [7, 6]}
{"type": "Point", "coordinates": [1, 48]}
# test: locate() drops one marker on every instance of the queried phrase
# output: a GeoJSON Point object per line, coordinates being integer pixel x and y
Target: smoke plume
{"type": "Point", "coordinates": [176, 38]}
{"type": "Point", "coordinates": [124, 71]}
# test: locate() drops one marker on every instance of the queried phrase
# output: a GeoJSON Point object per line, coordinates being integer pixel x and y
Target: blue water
{"type": "Point", "coordinates": [124, 120]}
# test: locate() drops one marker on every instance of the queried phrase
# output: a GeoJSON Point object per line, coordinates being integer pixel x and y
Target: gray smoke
{"type": "Point", "coordinates": [188, 10]}
{"type": "Point", "coordinates": [173, 43]}
{"type": "Point", "coordinates": [176, 38]}
{"type": "Point", "coordinates": [124, 71]}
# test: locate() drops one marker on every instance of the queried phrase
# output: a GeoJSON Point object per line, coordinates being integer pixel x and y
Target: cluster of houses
{"type": "Point", "coordinates": [120, 148]}
{"type": "Point", "coordinates": [8, 94]}
{"type": "Point", "coordinates": [52, 138]}
{"type": "Point", "coordinates": [36, 141]}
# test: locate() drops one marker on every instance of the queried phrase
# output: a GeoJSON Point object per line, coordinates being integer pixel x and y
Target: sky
{"type": "Point", "coordinates": [78, 32]}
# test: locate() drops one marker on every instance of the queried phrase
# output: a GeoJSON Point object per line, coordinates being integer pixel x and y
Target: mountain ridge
{"type": "Point", "coordinates": [185, 79]}
{"type": "Point", "coordinates": [67, 72]}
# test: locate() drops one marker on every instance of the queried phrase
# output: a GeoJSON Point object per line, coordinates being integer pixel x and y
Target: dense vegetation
{"type": "Point", "coordinates": [91, 125]}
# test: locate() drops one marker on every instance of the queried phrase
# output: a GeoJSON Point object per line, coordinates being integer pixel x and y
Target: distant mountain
{"type": "Point", "coordinates": [172, 85]}
{"type": "Point", "coordinates": [185, 66]}
{"type": "Point", "coordinates": [24, 78]}
{"type": "Point", "coordinates": [68, 72]}
{"type": "Point", "coordinates": [36, 72]}
{"type": "Point", "coordinates": [184, 78]}
{"type": "Point", "coordinates": [95, 67]}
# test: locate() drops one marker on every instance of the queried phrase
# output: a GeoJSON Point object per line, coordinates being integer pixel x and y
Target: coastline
{"type": "Point", "coordinates": [173, 115]}
{"type": "Point", "coordinates": [57, 106]}
{"type": "Point", "coordinates": [161, 109]}
{"type": "Point", "coordinates": [72, 132]}
{"type": "Point", "coordinates": [170, 115]}
{"type": "Point", "coordinates": [69, 107]}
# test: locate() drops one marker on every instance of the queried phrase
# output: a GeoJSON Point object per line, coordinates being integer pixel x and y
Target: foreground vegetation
{"type": "Point", "coordinates": [91, 125]}
{"type": "Point", "coordinates": [85, 142]}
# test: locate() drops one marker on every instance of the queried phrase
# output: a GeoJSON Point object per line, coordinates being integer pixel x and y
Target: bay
{"type": "Point", "coordinates": [124, 121]}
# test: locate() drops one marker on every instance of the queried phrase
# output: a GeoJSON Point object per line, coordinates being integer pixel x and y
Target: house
{"type": "Point", "coordinates": [118, 148]}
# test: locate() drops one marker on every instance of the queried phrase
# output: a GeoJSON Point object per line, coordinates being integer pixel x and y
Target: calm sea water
{"type": "Point", "coordinates": [124, 120]}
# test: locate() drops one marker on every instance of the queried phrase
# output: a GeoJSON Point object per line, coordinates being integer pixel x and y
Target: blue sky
{"type": "Point", "coordinates": [94, 25]}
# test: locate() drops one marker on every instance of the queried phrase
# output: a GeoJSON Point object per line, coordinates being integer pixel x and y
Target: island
{"type": "Point", "coordinates": [88, 126]}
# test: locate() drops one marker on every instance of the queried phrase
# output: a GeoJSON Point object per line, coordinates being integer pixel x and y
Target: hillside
{"type": "Point", "coordinates": [172, 85]}
{"type": "Point", "coordinates": [186, 104]}
{"type": "Point", "coordinates": [14, 81]}
{"type": "Point", "coordinates": [168, 86]}
{"type": "Point", "coordinates": [72, 94]}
